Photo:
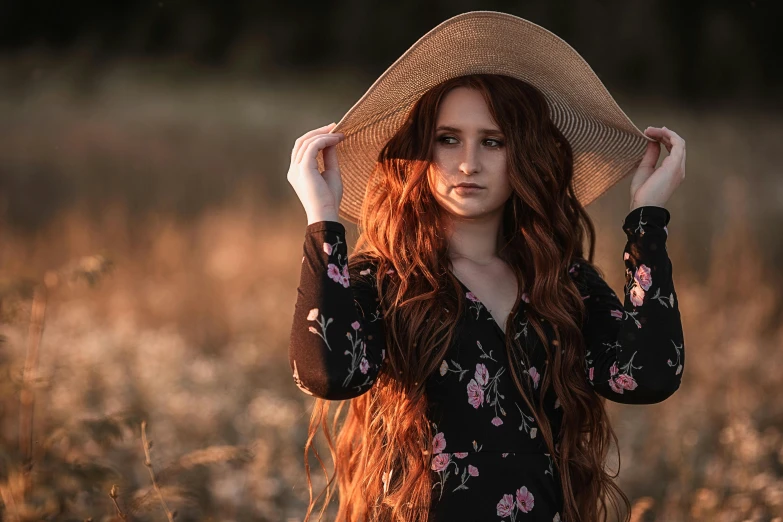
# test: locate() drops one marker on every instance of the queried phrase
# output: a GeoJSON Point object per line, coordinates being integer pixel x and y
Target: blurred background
{"type": "Point", "coordinates": [149, 245]}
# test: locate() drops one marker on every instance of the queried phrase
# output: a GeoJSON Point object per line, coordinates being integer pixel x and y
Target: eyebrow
{"type": "Point", "coordinates": [482, 131]}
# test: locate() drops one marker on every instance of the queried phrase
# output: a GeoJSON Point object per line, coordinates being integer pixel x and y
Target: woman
{"type": "Point", "coordinates": [474, 339]}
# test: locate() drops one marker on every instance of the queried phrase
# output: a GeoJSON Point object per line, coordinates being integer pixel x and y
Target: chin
{"type": "Point", "coordinates": [469, 211]}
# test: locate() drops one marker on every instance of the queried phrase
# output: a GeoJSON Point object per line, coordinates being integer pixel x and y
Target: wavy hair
{"type": "Point", "coordinates": [382, 448]}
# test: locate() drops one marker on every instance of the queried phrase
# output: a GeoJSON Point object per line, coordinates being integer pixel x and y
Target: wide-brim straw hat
{"type": "Point", "coordinates": [606, 144]}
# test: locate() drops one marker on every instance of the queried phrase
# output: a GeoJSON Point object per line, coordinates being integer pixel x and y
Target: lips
{"type": "Point", "coordinates": [470, 185]}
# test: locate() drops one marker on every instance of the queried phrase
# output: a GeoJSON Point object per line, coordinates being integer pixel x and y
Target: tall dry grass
{"type": "Point", "coordinates": [143, 356]}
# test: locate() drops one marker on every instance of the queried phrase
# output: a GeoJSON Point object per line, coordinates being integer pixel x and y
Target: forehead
{"type": "Point", "coordinates": [466, 109]}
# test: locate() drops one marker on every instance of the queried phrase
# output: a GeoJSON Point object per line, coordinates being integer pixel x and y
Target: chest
{"type": "Point", "coordinates": [494, 289]}
{"type": "Point", "coordinates": [473, 397]}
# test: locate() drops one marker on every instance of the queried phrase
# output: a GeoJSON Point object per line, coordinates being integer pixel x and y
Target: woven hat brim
{"type": "Point", "coordinates": [606, 144]}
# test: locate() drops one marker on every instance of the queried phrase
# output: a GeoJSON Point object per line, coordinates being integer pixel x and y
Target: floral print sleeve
{"type": "Point", "coordinates": [336, 346]}
{"type": "Point", "coordinates": [635, 349]}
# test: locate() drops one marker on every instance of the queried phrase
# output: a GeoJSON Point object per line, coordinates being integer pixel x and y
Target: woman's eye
{"type": "Point", "coordinates": [496, 143]}
{"type": "Point", "coordinates": [443, 139]}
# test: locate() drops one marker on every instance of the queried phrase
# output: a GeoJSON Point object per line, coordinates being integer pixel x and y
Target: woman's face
{"type": "Point", "coordinates": [468, 148]}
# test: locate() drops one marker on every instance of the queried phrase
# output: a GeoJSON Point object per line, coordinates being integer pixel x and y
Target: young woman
{"type": "Point", "coordinates": [469, 334]}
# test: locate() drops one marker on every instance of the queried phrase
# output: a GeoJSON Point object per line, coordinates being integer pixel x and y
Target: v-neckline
{"type": "Point", "coordinates": [498, 329]}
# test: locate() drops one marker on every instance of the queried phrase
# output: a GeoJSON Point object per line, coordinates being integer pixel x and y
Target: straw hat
{"type": "Point", "coordinates": [606, 144]}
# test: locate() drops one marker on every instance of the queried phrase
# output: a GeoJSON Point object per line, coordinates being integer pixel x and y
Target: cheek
{"type": "Point", "coordinates": [435, 180]}
{"type": "Point", "coordinates": [502, 180]}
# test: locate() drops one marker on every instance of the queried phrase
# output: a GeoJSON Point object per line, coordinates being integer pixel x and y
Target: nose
{"type": "Point", "coordinates": [469, 163]}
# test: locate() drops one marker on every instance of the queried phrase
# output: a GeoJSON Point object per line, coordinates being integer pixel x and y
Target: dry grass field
{"type": "Point", "coordinates": [149, 251]}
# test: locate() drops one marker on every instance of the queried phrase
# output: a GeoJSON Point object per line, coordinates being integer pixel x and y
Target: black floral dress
{"type": "Point", "coordinates": [490, 463]}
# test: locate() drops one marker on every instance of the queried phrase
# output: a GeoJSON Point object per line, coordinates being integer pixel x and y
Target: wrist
{"type": "Point", "coordinates": [637, 204]}
{"type": "Point", "coordinates": [322, 215]}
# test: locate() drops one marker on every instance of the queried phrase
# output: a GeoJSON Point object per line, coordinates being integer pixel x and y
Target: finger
{"type": "Point", "coordinates": [330, 158]}
{"type": "Point", "coordinates": [302, 150]}
{"type": "Point", "coordinates": [674, 138]}
{"type": "Point", "coordinates": [298, 144]}
{"type": "Point", "coordinates": [682, 163]}
{"type": "Point", "coordinates": [667, 136]}
{"type": "Point", "coordinates": [660, 135]}
{"type": "Point", "coordinates": [310, 151]}
{"type": "Point", "coordinates": [678, 147]}
{"type": "Point", "coordinates": [651, 155]}
{"type": "Point", "coordinates": [331, 173]}
{"type": "Point", "coordinates": [301, 139]}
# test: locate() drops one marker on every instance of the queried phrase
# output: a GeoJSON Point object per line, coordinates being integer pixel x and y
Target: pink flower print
{"type": "Point", "coordinates": [390, 271]}
{"type": "Point", "coordinates": [355, 325]}
{"type": "Point", "coordinates": [637, 295]}
{"type": "Point", "coordinates": [333, 272]}
{"type": "Point", "coordinates": [461, 454]}
{"type": "Point", "coordinates": [534, 375]}
{"type": "Point", "coordinates": [482, 374]}
{"type": "Point", "coordinates": [643, 276]}
{"type": "Point", "coordinates": [625, 381]}
{"type": "Point", "coordinates": [345, 279]}
{"type": "Point", "coordinates": [626, 256]}
{"type": "Point", "coordinates": [438, 443]}
{"type": "Point", "coordinates": [475, 394]}
{"type": "Point", "coordinates": [506, 506]}
{"type": "Point", "coordinates": [613, 370]}
{"type": "Point", "coordinates": [313, 315]}
{"type": "Point", "coordinates": [524, 500]}
{"type": "Point", "coordinates": [472, 471]}
{"type": "Point", "coordinates": [364, 365]}
{"type": "Point", "coordinates": [472, 297]}
{"type": "Point", "coordinates": [444, 367]}
{"type": "Point", "coordinates": [592, 373]}
{"type": "Point", "coordinates": [440, 461]}
{"type": "Point", "coordinates": [504, 455]}
{"type": "Point", "coordinates": [614, 386]}
{"type": "Point", "coordinates": [557, 517]}
{"type": "Point", "coordinates": [328, 248]}
{"type": "Point", "coordinates": [617, 314]}
{"type": "Point", "coordinates": [525, 297]}
{"type": "Point", "coordinates": [573, 268]}
{"type": "Point", "coordinates": [497, 421]}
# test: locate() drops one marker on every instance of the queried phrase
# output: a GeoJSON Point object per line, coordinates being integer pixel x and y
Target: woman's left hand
{"type": "Point", "coordinates": [651, 186]}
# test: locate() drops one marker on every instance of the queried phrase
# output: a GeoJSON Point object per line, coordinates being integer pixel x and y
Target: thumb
{"type": "Point", "coordinates": [651, 155]}
{"type": "Point", "coordinates": [331, 173]}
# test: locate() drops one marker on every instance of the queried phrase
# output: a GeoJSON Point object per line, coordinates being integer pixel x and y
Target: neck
{"type": "Point", "coordinates": [475, 239]}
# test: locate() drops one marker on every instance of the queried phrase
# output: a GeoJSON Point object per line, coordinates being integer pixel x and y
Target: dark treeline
{"type": "Point", "coordinates": [704, 50]}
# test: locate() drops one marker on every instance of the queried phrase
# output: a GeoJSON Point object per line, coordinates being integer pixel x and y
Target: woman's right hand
{"type": "Point", "coordinates": [319, 192]}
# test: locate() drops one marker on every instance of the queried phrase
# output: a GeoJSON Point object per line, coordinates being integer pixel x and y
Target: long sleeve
{"type": "Point", "coordinates": [635, 350]}
{"type": "Point", "coordinates": [337, 338]}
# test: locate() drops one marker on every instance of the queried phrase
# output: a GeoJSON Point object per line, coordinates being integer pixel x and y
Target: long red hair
{"type": "Point", "coordinates": [543, 231]}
